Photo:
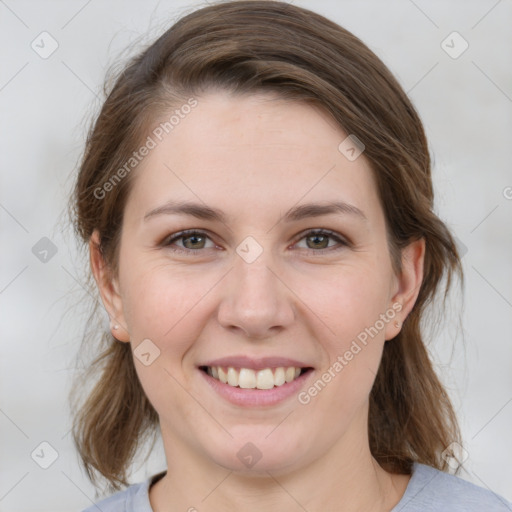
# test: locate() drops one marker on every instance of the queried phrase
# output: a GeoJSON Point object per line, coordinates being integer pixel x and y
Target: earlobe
{"type": "Point", "coordinates": [409, 283]}
{"type": "Point", "coordinates": [108, 289]}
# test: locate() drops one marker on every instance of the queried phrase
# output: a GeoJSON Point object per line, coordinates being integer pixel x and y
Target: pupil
{"type": "Point", "coordinates": [316, 237]}
{"type": "Point", "coordinates": [194, 239]}
{"type": "Point", "coordinates": [318, 240]}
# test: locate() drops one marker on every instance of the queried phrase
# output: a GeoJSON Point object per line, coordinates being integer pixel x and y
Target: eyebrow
{"type": "Point", "coordinates": [294, 214]}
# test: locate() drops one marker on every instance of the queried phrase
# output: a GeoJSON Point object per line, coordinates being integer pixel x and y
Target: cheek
{"type": "Point", "coordinates": [164, 306]}
{"type": "Point", "coordinates": [350, 298]}
{"type": "Point", "coordinates": [353, 339]}
{"type": "Point", "coordinates": [355, 309]}
{"type": "Point", "coordinates": [157, 297]}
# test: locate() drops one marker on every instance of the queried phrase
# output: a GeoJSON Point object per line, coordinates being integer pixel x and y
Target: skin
{"type": "Point", "coordinates": [255, 157]}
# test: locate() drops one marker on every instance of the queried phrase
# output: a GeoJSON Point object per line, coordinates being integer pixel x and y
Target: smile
{"type": "Point", "coordinates": [247, 378]}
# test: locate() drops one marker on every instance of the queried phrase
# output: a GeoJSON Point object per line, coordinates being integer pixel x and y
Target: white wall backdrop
{"type": "Point", "coordinates": [464, 96]}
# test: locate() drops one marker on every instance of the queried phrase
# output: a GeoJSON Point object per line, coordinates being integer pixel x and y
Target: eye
{"type": "Point", "coordinates": [318, 239]}
{"type": "Point", "coordinates": [191, 240]}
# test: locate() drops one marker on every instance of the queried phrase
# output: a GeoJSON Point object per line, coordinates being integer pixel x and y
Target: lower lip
{"type": "Point", "coordinates": [257, 397]}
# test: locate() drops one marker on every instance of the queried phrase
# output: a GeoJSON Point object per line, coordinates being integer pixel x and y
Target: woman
{"type": "Point", "coordinates": [257, 201]}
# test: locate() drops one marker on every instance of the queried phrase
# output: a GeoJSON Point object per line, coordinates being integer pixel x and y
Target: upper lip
{"type": "Point", "coordinates": [256, 363]}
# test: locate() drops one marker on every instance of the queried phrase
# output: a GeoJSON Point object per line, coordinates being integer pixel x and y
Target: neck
{"type": "Point", "coordinates": [345, 478]}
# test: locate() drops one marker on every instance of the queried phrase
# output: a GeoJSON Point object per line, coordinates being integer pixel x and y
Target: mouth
{"type": "Point", "coordinates": [250, 378]}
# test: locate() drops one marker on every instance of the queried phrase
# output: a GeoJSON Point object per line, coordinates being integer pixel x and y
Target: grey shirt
{"type": "Point", "coordinates": [429, 490]}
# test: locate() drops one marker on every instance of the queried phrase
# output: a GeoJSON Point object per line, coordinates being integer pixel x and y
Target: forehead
{"type": "Point", "coordinates": [251, 153]}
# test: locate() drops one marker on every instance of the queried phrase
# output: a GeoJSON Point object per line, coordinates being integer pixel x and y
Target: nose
{"type": "Point", "coordinates": [256, 300]}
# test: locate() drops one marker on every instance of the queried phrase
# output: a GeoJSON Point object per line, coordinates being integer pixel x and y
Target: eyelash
{"type": "Point", "coordinates": [167, 242]}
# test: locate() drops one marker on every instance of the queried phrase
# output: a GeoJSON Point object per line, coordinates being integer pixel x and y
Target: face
{"type": "Point", "coordinates": [264, 283]}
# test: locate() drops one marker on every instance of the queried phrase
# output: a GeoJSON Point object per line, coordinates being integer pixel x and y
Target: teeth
{"type": "Point", "coordinates": [279, 377]}
{"type": "Point", "coordinates": [247, 378]}
{"type": "Point", "coordinates": [232, 377]}
{"type": "Point", "coordinates": [264, 379]}
{"type": "Point", "coordinates": [223, 376]}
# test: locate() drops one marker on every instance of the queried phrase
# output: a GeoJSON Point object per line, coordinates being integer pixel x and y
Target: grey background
{"type": "Point", "coordinates": [466, 106]}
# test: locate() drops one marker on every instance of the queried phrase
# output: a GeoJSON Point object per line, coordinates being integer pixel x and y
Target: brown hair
{"type": "Point", "coordinates": [256, 46]}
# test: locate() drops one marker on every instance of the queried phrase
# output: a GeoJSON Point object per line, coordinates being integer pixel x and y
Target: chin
{"type": "Point", "coordinates": [257, 455]}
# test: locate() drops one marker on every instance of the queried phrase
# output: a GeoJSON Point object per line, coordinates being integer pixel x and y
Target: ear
{"type": "Point", "coordinates": [407, 285]}
{"type": "Point", "coordinates": [108, 288]}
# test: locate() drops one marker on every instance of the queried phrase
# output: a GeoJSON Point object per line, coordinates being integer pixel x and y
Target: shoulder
{"type": "Point", "coordinates": [431, 490]}
{"type": "Point", "coordinates": [133, 499]}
